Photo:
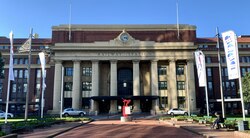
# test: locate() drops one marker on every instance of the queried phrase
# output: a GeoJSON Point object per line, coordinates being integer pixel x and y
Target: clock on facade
{"type": "Point", "coordinates": [124, 37]}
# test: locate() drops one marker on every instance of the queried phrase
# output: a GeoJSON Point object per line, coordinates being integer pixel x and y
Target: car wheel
{"type": "Point", "coordinates": [172, 113]}
{"type": "Point", "coordinates": [8, 116]}
{"type": "Point", "coordinates": [81, 114]}
{"type": "Point", "coordinates": [66, 114]}
{"type": "Point", "coordinates": [185, 113]}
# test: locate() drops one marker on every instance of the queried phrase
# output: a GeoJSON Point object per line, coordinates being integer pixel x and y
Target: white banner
{"type": "Point", "coordinates": [42, 60]}
{"type": "Point", "coordinates": [201, 67]}
{"type": "Point", "coordinates": [231, 53]}
{"type": "Point", "coordinates": [11, 74]}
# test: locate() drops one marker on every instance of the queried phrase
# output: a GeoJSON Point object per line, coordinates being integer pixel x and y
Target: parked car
{"type": "Point", "coordinates": [73, 112]}
{"type": "Point", "coordinates": [177, 111]}
{"type": "Point", "coordinates": [2, 114]}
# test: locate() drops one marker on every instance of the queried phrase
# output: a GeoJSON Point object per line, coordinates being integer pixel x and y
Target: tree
{"type": "Point", "coordinates": [1, 66]}
{"type": "Point", "coordinates": [246, 88]}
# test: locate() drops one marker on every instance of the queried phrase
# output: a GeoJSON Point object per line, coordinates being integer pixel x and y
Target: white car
{"type": "Point", "coordinates": [73, 112]}
{"type": "Point", "coordinates": [177, 111]}
{"type": "Point", "coordinates": [2, 114]}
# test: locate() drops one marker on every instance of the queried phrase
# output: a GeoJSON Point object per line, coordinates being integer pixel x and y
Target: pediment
{"type": "Point", "coordinates": [124, 38]}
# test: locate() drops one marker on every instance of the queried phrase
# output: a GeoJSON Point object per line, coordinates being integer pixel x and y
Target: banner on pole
{"type": "Point", "coordinates": [11, 73]}
{"type": "Point", "coordinates": [25, 47]}
{"type": "Point", "coordinates": [42, 61]}
{"type": "Point", "coordinates": [201, 67]}
{"type": "Point", "coordinates": [231, 53]}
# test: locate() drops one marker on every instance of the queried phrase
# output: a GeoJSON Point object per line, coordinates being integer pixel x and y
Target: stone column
{"type": "Point", "coordinates": [191, 85]}
{"type": "Point", "coordinates": [76, 93]}
{"type": "Point", "coordinates": [57, 87]}
{"type": "Point", "coordinates": [136, 86]}
{"type": "Point", "coordinates": [95, 86]}
{"type": "Point", "coordinates": [154, 84]}
{"type": "Point", "coordinates": [113, 86]}
{"type": "Point", "coordinates": [172, 91]}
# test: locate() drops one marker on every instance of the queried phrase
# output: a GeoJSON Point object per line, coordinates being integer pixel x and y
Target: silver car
{"type": "Point", "coordinates": [177, 111]}
{"type": "Point", "coordinates": [2, 114]}
{"type": "Point", "coordinates": [73, 112]}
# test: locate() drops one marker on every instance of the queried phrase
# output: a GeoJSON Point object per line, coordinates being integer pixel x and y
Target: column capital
{"type": "Point", "coordinates": [172, 60]}
{"type": "Point", "coordinates": [58, 61]}
{"type": "Point", "coordinates": [113, 61]}
{"type": "Point", "coordinates": [153, 60]}
{"type": "Point", "coordinates": [95, 61]}
{"type": "Point", "coordinates": [136, 61]}
{"type": "Point", "coordinates": [76, 60]}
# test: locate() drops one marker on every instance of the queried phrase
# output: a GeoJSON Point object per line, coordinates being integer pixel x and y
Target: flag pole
{"type": "Point", "coordinates": [219, 61]}
{"type": "Point", "coordinates": [28, 78]}
{"type": "Point", "coordinates": [11, 76]}
{"type": "Point", "coordinates": [177, 20]}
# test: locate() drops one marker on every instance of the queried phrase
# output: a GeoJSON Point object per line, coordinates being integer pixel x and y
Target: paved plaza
{"type": "Point", "coordinates": [134, 129]}
{"type": "Point", "coordinates": [143, 126]}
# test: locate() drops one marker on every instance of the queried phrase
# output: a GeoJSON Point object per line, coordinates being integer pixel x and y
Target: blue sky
{"type": "Point", "coordinates": [41, 15]}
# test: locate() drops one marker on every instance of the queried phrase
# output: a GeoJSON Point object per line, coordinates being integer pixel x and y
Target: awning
{"type": "Point", "coordinates": [124, 97]}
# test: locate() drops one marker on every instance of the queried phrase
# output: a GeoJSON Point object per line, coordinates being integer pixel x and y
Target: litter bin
{"type": "Point", "coordinates": [242, 125]}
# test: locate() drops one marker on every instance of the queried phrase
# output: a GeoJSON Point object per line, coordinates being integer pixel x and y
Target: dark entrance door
{"type": "Point", "coordinates": [125, 82]}
{"type": "Point", "coordinates": [104, 106]}
{"type": "Point", "coordinates": [146, 105]}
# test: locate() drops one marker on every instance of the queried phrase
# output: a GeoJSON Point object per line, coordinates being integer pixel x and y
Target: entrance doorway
{"type": "Point", "coordinates": [146, 105]}
{"type": "Point", "coordinates": [104, 106]}
{"type": "Point", "coordinates": [125, 82]}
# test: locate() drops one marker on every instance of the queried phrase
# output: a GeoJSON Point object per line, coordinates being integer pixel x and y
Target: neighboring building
{"type": "Point", "coordinates": [230, 87]}
{"type": "Point", "coordinates": [19, 87]}
{"type": "Point", "coordinates": [96, 66]}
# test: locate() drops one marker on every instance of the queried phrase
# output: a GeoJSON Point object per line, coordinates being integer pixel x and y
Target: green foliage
{"type": "Point", "coordinates": [1, 66]}
{"type": "Point", "coordinates": [246, 87]}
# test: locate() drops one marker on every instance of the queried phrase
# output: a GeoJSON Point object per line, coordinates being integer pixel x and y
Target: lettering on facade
{"type": "Point", "coordinates": [123, 54]}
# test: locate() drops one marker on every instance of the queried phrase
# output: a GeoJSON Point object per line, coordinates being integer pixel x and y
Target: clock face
{"type": "Point", "coordinates": [124, 37]}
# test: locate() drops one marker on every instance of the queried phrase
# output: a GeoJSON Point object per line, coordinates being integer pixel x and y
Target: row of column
{"type": "Point", "coordinates": [76, 94]}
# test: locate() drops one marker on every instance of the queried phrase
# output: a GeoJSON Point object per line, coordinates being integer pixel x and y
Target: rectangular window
{"type": "Point", "coordinates": [13, 87]}
{"type": "Point", "coordinates": [1, 87]}
{"type": "Point", "coordinates": [180, 85]}
{"type": "Point", "coordinates": [38, 73]}
{"type": "Point", "coordinates": [26, 74]}
{"type": "Point", "coordinates": [209, 72]}
{"type": "Point", "coordinates": [68, 71]}
{"type": "Point", "coordinates": [25, 86]}
{"type": "Point", "coordinates": [180, 70]}
{"type": "Point", "coordinates": [162, 85]}
{"type": "Point", "coordinates": [15, 61]}
{"type": "Point", "coordinates": [38, 61]}
{"type": "Point", "coordinates": [162, 70]}
{"type": "Point", "coordinates": [210, 86]}
{"type": "Point", "coordinates": [87, 71]}
{"type": "Point", "coordinates": [208, 59]}
{"type": "Point", "coordinates": [68, 86]}
{"type": "Point", "coordinates": [26, 61]}
{"type": "Point", "coordinates": [20, 75]}
{"type": "Point", "coordinates": [21, 61]}
{"type": "Point", "coordinates": [15, 73]}
{"type": "Point", "coordinates": [243, 71]}
{"type": "Point", "coordinates": [86, 86]}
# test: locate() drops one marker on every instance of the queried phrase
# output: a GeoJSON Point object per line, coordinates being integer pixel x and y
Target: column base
{"type": "Point", "coordinates": [113, 111]}
{"type": "Point", "coordinates": [126, 119]}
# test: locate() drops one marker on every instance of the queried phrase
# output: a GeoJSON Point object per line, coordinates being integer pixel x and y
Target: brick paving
{"type": "Point", "coordinates": [135, 129]}
{"type": "Point", "coordinates": [141, 127]}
